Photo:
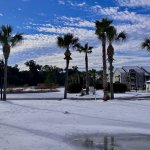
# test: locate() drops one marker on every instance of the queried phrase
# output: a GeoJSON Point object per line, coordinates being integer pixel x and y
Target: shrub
{"type": "Point", "coordinates": [98, 85]}
{"type": "Point", "coordinates": [74, 88]}
{"type": "Point", "coordinates": [118, 87]}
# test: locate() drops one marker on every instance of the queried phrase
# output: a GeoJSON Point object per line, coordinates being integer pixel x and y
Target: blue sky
{"type": "Point", "coordinates": [42, 21]}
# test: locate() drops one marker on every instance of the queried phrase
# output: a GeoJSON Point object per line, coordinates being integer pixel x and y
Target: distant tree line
{"type": "Point", "coordinates": [47, 74]}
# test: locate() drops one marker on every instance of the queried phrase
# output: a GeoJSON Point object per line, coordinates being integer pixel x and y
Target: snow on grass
{"type": "Point", "coordinates": [60, 94]}
{"type": "Point", "coordinates": [45, 124]}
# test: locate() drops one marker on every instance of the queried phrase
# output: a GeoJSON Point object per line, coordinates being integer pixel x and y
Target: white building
{"type": "Point", "coordinates": [132, 76]}
{"type": "Point", "coordinates": [120, 76]}
{"type": "Point", "coordinates": [148, 86]}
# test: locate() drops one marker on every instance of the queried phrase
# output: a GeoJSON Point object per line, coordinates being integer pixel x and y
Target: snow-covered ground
{"type": "Point", "coordinates": [60, 94]}
{"type": "Point", "coordinates": [46, 124]}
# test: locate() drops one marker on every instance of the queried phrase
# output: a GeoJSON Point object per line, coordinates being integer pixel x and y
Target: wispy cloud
{"type": "Point", "coordinates": [80, 32]}
{"type": "Point", "coordinates": [76, 4]}
{"type": "Point", "coordinates": [115, 13]}
{"type": "Point", "coordinates": [57, 59]}
{"type": "Point", "coordinates": [129, 21]}
{"type": "Point", "coordinates": [19, 9]}
{"type": "Point", "coordinates": [42, 14]}
{"type": "Point", "coordinates": [1, 15]}
{"type": "Point", "coordinates": [35, 41]}
{"type": "Point", "coordinates": [76, 22]}
{"type": "Point", "coordinates": [71, 3]}
{"type": "Point", "coordinates": [134, 3]}
{"type": "Point", "coordinates": [26, 0]}
{"type": "Point", "coordinates": [61, 2]}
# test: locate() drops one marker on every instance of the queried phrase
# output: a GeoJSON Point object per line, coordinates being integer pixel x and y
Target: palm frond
{"type": "Point", "coordinates": [146, 44]}
{"type": "Point", "coordinates": [67, 41]}
{"type": "Point", "coordinates": [101, 27]}
{"type": "Point", "coordinates": [78, 45]}
{"type": "Point", "coordinates": [7, 38]}
{"type": "Point", "coordinates": [75, 41]}
{"type": "Point", "coordinates": [3, 39]}
{"type": "Point", "coordinates": [84, 49]}
{"type": "Point", "coordinates": [90, 48]}
{"type": "Point", "coordinates": [6, 30]}
{"type": "Point", "coordinates": [89, 51]}
{"type": "Point", "coordinates": [121, 36]}
{"type": "Point", "coordinates": [16, 39]}
{"type": "Point", "coordinates": [60, 41]}
{"type": "Point", "coordinates": [111, 33]}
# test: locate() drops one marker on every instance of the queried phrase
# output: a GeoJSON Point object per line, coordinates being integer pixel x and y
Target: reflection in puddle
{"type": "Point", "coordinates": [112, 142]}
{"type": "Point", "coordinates": [106, 144]}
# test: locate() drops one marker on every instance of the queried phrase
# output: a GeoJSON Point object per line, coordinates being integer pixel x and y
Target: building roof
{"type": "Point", "coordinates": [136, 68]}
{"type": "Point", "coordinates": [120, 70]}
{"type": "Point", "coordinates": [146, 69]}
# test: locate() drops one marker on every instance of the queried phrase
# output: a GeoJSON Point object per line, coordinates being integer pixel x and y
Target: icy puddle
{"type": "Point", "coordinates": [112, 142]}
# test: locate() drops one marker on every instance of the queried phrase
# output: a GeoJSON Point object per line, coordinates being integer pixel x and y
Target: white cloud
{"type": "Point", "coordinates": [25, 0]}
{"type": "Point", "coordinates": [134, 3]}
{"type": "Point", "coordinates": [133, 23]}
{"type": "Point", "coordinates": [35, 41]}
{"type": "Point", "coordinates": [19, 9]}
{"type": "Point", "coordinates": [75, 4]}
{"type": "Point", "coordinates": [106, 10]}
{"type": "Point", "coordinates": [1, 15]}
{"type": "Point", "coordinates": [76, 22]}
{"type": "Point", "coordinates": [42, 14]}
{"type": "Point", "coordinates": [114, 13]}
{"type": "Point", "coordinates": [61, 2]}
{"type": "Point", "coordinates": [79, 32]}
{"type": "Point", "coordinates": [57, 59]}
{"type": "Point", "coordinates": [85, 23]}
{"type": "Point", "coordinates": [82, 4]}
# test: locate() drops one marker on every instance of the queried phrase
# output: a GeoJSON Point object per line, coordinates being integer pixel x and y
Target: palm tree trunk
{"type": "Point", "coordinates": [87, 78]}
{"type": "Point", "coordinates": [111, 81]}
{"type": "Point", "coordinates": [66, 79]}
{"type": "Point", "coordinates": [105, 84]}
{"type": "Point", "coordinates": [78, 77]}
{"type": "Point", "coordinates": [5, 79]}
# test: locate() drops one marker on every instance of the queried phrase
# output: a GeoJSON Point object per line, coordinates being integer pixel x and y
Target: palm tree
{"type": "Point", "coordinates": [146, 44]}
{"type": "Point", "coordinates": [112, 35]}
{"type": "Point", "coordinates": [67, 41]}
{"type": "Point", "coordinates": [8, 40]}
{"type": "Point", "coordinates": [85, 49]}
{"type": "Point", "coordinates": [101, 27]}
